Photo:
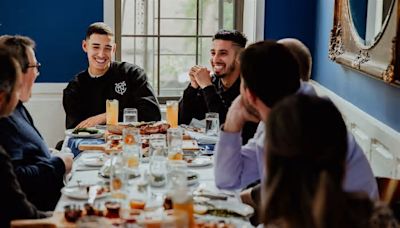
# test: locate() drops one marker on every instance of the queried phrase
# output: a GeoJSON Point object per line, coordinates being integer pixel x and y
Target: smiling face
{"type": "Point", "coordinates": [99, 49]}
{"type": "Point", "coordinates": [223, 56]}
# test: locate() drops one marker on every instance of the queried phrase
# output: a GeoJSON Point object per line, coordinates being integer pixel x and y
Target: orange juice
{"type": "Point", "coordinates": [172, 113]}
{"type": "Point", "coordinates": [116, 183]}
{"type": "Point", "coordinates": [129, 140]}
{"type": "Point", "coordinates": [133, 161]}
{"type": "Point", "coordinates": [186, 207]}
{"type": "Point", "coordinates": [137, 204]}
{"type": "Point", "coordinates": [175, 156]}
{"type": "Point", "coordinates": [112, 112]}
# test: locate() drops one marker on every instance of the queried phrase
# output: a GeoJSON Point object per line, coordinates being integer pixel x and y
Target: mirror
{"type": "Point", "coordinates": [369, 18]}
{"type": "Point", "coordinates": [363, 37]}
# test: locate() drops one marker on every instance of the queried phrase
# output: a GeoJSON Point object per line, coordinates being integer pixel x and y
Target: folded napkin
{"type": "Point", "coordinates": [202, 138]}
{"type": "Point", "coordinates": [74, 143]}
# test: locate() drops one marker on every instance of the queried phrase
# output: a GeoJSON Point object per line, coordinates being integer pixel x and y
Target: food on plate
{"type": "Point", "coordinates": [214, 224]}
{"type": "Point", "coordinates": [194, 129]}
{"type": "Point", "coordinates": [85, 131]}
{"type": "Point", "coordinates": [146, 128]}
{"type": "Point", "coordinates": [222, 212]}
{"type": "Point", "coordinates": [156, 128]}
{"type": "Point", "coordinates": [200, 209]}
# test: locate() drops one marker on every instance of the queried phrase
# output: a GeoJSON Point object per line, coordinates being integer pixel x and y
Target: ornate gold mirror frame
{"type": "Point", "coordinates": [381, 59]}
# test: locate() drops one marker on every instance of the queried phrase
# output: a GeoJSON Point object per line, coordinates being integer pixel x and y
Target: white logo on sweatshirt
{"type": "Point", "coordinates": [120, 87]}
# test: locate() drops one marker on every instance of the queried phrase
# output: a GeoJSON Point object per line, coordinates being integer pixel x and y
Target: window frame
{"type": "Point", "coordinates": [238, 8]}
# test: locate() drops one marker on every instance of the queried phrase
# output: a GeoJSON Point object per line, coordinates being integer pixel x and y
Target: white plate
{"type": "Point", "coordinates": [69, 133]}
{"type": "Point", "coordinates": [236, 222]}
{"type": "Point", "coordinates": [80, 193]}
{"type": "Point", "coordinates": [200, 161]}
{"type": "Point", "coordinates": [234, 206]}
{"type": "Point", "coordinates": [94, 161]}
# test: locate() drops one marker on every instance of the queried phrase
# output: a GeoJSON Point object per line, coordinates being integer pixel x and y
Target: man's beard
{"type": "Point", "coordinates": [231, 69]}
{"type": "Point", "coordinates": [250, 109]}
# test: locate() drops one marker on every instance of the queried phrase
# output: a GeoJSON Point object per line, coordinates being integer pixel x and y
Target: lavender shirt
{"type": "Point", "coordinates": [237, 166]}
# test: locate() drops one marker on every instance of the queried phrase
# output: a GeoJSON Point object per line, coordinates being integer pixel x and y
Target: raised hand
{"type": "Point", "coordinates": [202, 76]}
{"type": "Point", "coordinates": [238, 115]}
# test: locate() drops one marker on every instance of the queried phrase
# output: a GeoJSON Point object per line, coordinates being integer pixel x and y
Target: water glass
{"type": "Point", "coordinates": [131, 148]}
{"type": "Point", "coordinates": [158, 160]}
{"type": "Point", "coordinates": [139, 194]}
{"type": "Point", "coordinates": [157, 145]}
{"type": "Point", "coordinates": [158, 170]}
{"type": "Point", "coordinates": [177, 174]}
{"type": "Point", "coordinates": [112, 112]}
{"type": "Point", "coordinates": [118, 177]}
{"type": "Point", "coordinates": [130, 115]}
{"type": "Point", "coordinates": [174, 142]}
{"type": "Point", "coordinates": [212, 123]}
{"type": "Point", "coordinates": [172, 113]}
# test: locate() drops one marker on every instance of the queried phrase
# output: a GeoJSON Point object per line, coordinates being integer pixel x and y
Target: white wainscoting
{"type": "Point", "coordinates": [47, 111]}
{"type": "Point", "coordinates": [379, 142]}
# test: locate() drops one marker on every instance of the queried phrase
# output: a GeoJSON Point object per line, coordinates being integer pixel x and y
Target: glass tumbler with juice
{"type": "Point", "coordinates": [172, 113]}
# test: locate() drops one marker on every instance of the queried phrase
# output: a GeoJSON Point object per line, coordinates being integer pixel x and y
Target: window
{"type": "Point", "coordinates": [167, 37]}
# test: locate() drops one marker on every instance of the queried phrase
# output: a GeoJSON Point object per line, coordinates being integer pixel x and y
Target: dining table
{"type": "Point", "coordinates": [87, 174]}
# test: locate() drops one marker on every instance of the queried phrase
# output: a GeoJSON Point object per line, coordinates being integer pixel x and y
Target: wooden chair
{"type": "Point", "coordinates": [389, 192]}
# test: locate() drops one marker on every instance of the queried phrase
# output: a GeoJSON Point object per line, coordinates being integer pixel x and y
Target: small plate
{"type": "Point", "coordinates": [234, 206]}
{"type": "Point", "coordinates": [200, 161]}
{"type": "Point", "coordinates": [81, 193]}
{"type": "Point", "coordinates": [99, 133]}
{"type": "Point", "coordinates": [94, 161]}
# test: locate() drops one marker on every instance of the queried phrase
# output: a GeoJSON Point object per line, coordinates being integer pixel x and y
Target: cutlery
{"type": "Point", "coordinates": [92, 194]}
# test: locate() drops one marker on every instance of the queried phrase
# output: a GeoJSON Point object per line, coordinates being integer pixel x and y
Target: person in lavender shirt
{"type": "Point", "coordinates": [270, 72]}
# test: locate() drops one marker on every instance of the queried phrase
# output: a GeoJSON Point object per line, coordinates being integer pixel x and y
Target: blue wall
{"type": "Point", "coordinates": [291, 18]}
{"type": "Point", "coordinates": [58, 27]}
{"type": "Point", "coordinates": [311, 21]}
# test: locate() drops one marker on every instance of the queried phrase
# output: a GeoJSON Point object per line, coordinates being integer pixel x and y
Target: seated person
{"type": "Point", "coordinates": [269, 73]}
{"type": "Point", "coordinates": [306, 165]}
{"type": "Point", "coordinates": [215, 93]}
{"type": "Point", "coordinates": [14, 204]}
{"type": "Point", "coordinates": [39, 172]}
{"type": "Point", "coordinates": [85, 97]}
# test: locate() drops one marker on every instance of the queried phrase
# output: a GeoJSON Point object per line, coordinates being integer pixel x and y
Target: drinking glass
{"type": "Point", "coordinates": [131, 149]}
{"type": "Point", "coordinates": [177, 174]}
{"type": "Point", "coordinates": [138, 195]}
{"type": "Point", "coordinates": [130, 115]}
{"type": "Point", "coordinates": [158, 160]}
{"type": "Point", "coordinates": [157, 145]}
{"type": "Point", "coordinates": [212, 123]}
{"type": "Point", "coordinates": [118, 178]}
{"type": "Point", "coordinates": [172, 113]}
{"type": "Point", "coordinates": [112, 112]}
{"type": "Point", "coordinates": [174, 142]}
